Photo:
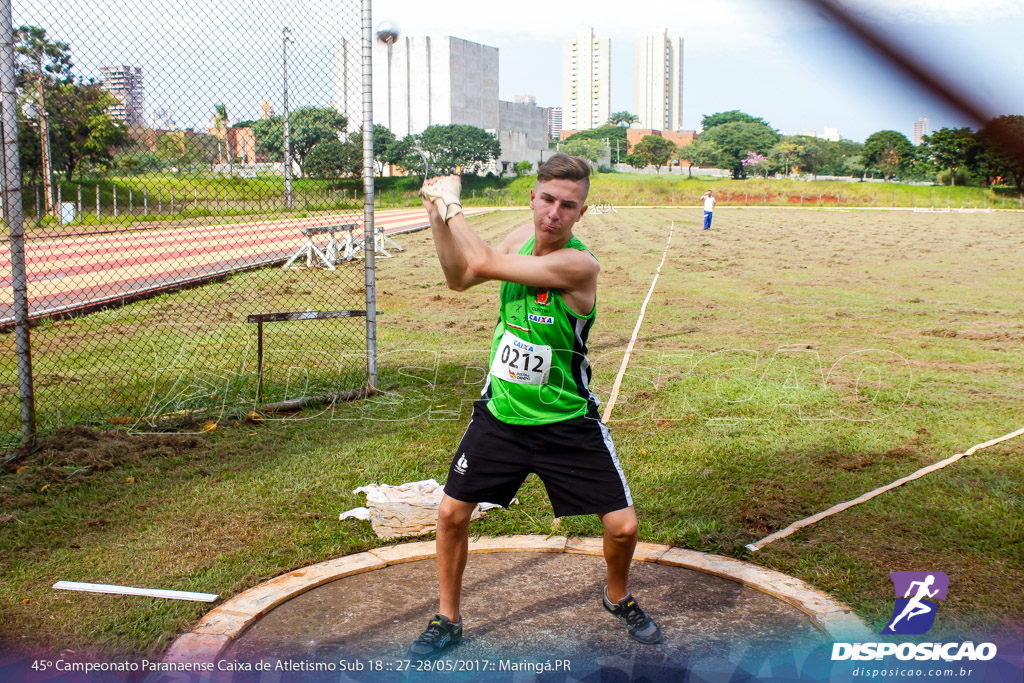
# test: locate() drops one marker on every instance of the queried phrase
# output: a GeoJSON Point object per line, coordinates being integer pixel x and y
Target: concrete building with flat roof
{"type": "Point", "coordinates": [421, 81]}
{"type": "Point", "coordinates": [125, 84]}
{"type": "Point", "coordinates": [586, 81]}
{"type": "Point", "coordinates": [658, 82]}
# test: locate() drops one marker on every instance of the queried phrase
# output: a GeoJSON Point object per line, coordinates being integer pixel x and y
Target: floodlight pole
{"type": "Point", "coordinates": [287, 149]}
{"type": "Point", "coordinates": [44, 144]}
{"type": "Point", "coordinates": [369, 232]}
{"type": "Point", "coordinates": [13, 215]}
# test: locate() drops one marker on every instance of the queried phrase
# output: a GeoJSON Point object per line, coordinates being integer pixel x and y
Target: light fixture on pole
{"type": "Point", "coordinates": [387, 33]}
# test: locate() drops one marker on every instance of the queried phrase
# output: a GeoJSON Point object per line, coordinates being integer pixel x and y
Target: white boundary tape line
{"type": "Point", "coordinates": [129, 590]}
{"type": "Point", "coordinates": [636, 330]}
{"type": "Point", "coordinates": [754, 547]}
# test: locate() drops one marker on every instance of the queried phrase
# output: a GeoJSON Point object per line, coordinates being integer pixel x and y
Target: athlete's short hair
{"type": "Point", "coordinates": [566, 167]}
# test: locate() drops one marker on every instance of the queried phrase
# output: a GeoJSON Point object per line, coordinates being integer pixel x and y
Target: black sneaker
{"type": "Point", "coordinates": [641, 626]}
{"type": "Point", "coordinates": [440, 635]}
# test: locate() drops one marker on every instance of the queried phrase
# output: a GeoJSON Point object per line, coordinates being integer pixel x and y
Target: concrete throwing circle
{"type": "Point", "coordinates": [528, 601]}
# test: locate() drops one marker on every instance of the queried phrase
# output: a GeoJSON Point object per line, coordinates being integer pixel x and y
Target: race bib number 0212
{"type": "Point", "coordinates": [521, 362]}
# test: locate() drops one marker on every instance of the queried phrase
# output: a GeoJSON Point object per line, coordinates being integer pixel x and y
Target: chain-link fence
{"type": "Point", "coordinates": [192, 204]}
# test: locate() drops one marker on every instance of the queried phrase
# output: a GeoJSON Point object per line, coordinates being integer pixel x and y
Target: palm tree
{"type": "Point", "coordinates": [220, 123]}
{"type": "Point", "coordinates": [621, 118]}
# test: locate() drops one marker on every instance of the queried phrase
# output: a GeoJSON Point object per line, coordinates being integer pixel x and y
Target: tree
{"type": "Point", "coordinates": [42, 64]}
{"type": "Point", "coordinates": [81, 129]}
{"type": "Point", "coordinates": [524, 167]}
{"type": "Point", "coordinates": [838, 154]}
{"type": "Point", "coordinates": [385, 148]}
{"type": "Point", "coordinates": [458, 146]}
{"type": "Point", "coordinates": [1001, 149]}
{"type": "Point", "coordinates": [220, 123]}
{"type": "Point", "coordinates": [854, 165]}
{"type": "Point", "coordinates": [655, 150]}
{"type": "Point", "coordinates": [591, 150]}
{"type": "Point", "coordinates": [951, 148]}
{"type": "Point", "coordinates": [756, 163]}
{"type": "Point", "coordinates": [888, 151]}
{"type": "Point", "coordinates": [623, 118]}
{"type": "Point", "coordinates": [634, 160]}
{"type": "Point", "coordinates": [179, 149]}
{"type": "Point", "coordinates": [811, 154]}
{"type": "Point", "coordinates": [307, 127]}
{"type": "Point", "coordinates": [732, 116]}
{"type": "Point", "coordinates": [702, 153]}
{"type": "Point", "coordinates": [784, 153]}
{"type": "Point", "coordinates": [40, 58]}
{"type": "Point", "coordinates": [407, 156]}
{"type": "Point", "coordinates": [131, 161]}
{"type": "Point", "coordinates": [334, 159]}
{"type": "Point", "coordinates": [618, 142]}
{"type": "Point", "coordinates": [736, 139]}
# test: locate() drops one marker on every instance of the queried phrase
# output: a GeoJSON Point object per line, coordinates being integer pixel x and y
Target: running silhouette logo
{"type": "Point", "coordinates": [916, 593]}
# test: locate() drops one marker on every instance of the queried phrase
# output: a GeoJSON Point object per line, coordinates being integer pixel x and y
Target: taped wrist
{"type": "Point", "coordinates": [445, 196]}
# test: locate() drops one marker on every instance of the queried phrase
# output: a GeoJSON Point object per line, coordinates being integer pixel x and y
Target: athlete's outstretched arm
{"type": "Point", "coordinates": [566, 269]}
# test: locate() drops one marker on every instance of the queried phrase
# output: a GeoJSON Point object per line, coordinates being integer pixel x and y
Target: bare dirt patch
{"type": "Point", "coordinates": [73, 454]}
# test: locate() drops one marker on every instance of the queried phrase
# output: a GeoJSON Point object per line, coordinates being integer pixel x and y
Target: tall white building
{"type": "Point", "coordinates": [586, 81]}
{"type": "Point", "coordinates": [658, 82]}
{"type": "Point", "coordinates": [421, 81]}
{"type": "Point", "coordinates": [921, 128]}
{"type": "Point", "coordinates": [555, 123]}
{"type": "Point", "coordinates": [125, 84]}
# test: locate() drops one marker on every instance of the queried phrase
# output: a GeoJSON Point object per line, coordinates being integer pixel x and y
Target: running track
{"type": "Point", "coordinates": [81, 271]}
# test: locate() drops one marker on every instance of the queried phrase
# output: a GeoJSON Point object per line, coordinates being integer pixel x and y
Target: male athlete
{"type": "Point", "coordinates": [536, 413]}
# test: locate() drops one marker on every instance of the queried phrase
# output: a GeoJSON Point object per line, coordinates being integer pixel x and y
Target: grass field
{"type": "Point", "coordinates": [146, 198]}
{"type": "Point", "coordinates": [789, 360]}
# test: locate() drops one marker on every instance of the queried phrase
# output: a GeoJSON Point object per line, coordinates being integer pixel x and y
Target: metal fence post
{"type": "Point", "coordinates": [13, 216]}
{"type": "Point", "coordinates": [369, 234]}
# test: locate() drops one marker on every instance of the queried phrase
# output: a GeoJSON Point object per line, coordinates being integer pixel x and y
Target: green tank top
{"type": "Point", "coordinates": [539, 372]}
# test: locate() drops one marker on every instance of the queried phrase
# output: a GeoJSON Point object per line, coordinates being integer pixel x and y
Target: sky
{"type": "Point", "coordinates": [776, 59]}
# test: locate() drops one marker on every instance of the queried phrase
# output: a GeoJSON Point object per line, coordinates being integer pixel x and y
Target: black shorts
{"type": "Point", "coordinates": [574, 458]}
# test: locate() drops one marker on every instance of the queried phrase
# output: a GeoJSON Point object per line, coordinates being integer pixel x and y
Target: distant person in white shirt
{"type": "Point", "coordinates": [709, 207]}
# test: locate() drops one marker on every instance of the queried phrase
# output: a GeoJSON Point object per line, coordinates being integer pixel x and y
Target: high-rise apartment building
{"type": "Point", "coordinates": [658, 82]}
{"type": "Point", "coordinates": [586, 81]}
{"type": "Point", "coordinates": [125, 84]}
{"type": "Point", "coordinates": [555, 123]}
{"type": "Point", "coordinates": [921, 128]}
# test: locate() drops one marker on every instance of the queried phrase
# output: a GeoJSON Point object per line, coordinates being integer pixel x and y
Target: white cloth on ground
{"type": "Point", "coordinates": [408, 509]}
